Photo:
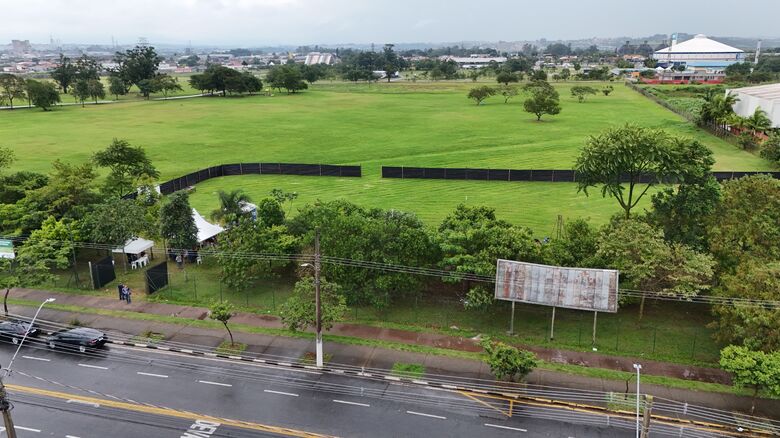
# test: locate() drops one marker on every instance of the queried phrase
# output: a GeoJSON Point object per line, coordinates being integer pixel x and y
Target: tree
{"type": "Point", "coordinates": [478, 94]}
{"type": "Point", "coordinates": [177, 225]}
{"type": "Point", "coordinates": [647, 263]}
{"type": "Point", "coordinates": [65, 73]}
{"type": "Point", "coordinates": [230, 206]}
{"type": "Point", "coordinates": [11, 87]}
{"type": "Point", "coordinates": [565, 74]}
{"type": "Point", "coordinates": [508, 92]}
{"type": "Point", "coordinates": [23, 271]}
{"type": "Point", "coordinates": [251, 83]}
{"type": "Point", "coordinates": [507, 362]}
{"type": "Point", "coordinates": [222, 312]}
{"type": "Point", "coordinates": [96, 89]}
{"type": "Point", "coordinates": [81, 91]}
{"type": "Point", "coordinates": [288, 77]}
{"type": "Point", "coordinates": [128, 165]}
{"type": "Point", "coordinates": [137, 65]}
{"type": "Point", "coordinates": [7, 157]}
{"type": "Point", "coordinates": [635, 156]}
{"type": "Point", "coordinates": [756, 327]}
{"type": "Point", "coordinates": [538, 75]}
{"type": "Point", "coordinates": [270, 212]}
{"type": "Point", "coordinates": [683, 212]}
{"type": "Point", "coordinates": [42, 94]}
{"type": "Point", "coordinates": [391, 63]}
{"type": "Point", "coordinates": [543, 100]}
{"type": "Point", "coordinates": [581, 91]}
{"type": "Point", "coordinates": [505, 77]}
{"type": "Point", "coordinates": [281, 196]}
{"type": "Point", "coordinates": [299, 311]}
{"type": "Point", "coordinates": [756, 369]}
{"type": "Point", "coordinates": [470, 240]}
{"type": "Point", "coordinates": [115, 221]}
{"type": "Point", "coordinates": [759, 122]}
{"type": "Point", "coordinates": [117, 86]}
{"type": "Point", "coordinates": [577, 66]}
{"type": "Point", "coordinates": [576, 248]}
{"type": "Point", "coordinates": [650, 63]}
{"type": "Point", "coordinates": [607, 90]}
{"type": "Point", "coordinates": [166, 84]}
{"type": "Point", "coordinates": [69, 193]}
{"type": "Point", "coordinates": [770, 149]}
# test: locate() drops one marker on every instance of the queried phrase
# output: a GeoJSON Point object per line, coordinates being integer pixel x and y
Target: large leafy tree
{"type": "Point", "coordinates": [42, 94]}
{"type": "Point", "coordinates": [582, 91]}
{"type": "Point", "coordinates": [115, 221]}
{"type": "Point", "coordinates": [575, 248]}
{"type": "Point", "coordinates": [177, 225]}
{"type": "Point", "coordinates": [647, 263]}
{"type": "Point", "coordinates": [299, 311]}
{"type": "Point", "coordinates": [129, 165]}
{"type": "Point", "coordinates": [627, 161]}
{"type": "Point", "coordinates": [479, 94]}
{"type": "Point", "coordinates": [81, 91]}
{"type": "Point", "coordinates": [471, 239]}
{"type": "Point", "coordinates": [137, 65]}
{"type": "Point", "coordinates": [117, 86]}
{"type": "Point", "coordinates": [754, 326]}
{"type": "Point", "coordinates": [756, 369]}
{"type": "Point", "coordinates": [391, 63]}
{"type": "Point", "coordinates": [69, 193]}
{"type": "Point", "coordinates": [11, 87]}
{"type": "Point", "coordinates": [65, 73]}
{"type": "Point", "coordinates": [543, 99]}
{"type": "Point", "coordinates": [166, 84]}
{"type": "Point", "coordinates": [288, 77]}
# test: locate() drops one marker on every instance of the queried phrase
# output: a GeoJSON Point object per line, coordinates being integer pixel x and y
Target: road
{"type": "Point", "coordinates": [127, 392]}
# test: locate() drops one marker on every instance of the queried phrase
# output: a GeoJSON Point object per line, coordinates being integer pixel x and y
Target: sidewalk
{"type": "Point", "coordinates": [361, 356]}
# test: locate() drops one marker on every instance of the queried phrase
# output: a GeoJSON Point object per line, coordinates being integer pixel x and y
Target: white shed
{"type": "Point", "coordinates": [766, 97]}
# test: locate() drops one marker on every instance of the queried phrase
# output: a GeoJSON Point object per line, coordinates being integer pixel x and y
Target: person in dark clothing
{"type": "Point", "coordinates": [128, 293]}
{"type": "Point", "coordinates": [121, 289]}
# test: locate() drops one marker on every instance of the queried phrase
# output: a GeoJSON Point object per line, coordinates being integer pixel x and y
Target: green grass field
{"type": "Point", "coordinates": [411, 124]}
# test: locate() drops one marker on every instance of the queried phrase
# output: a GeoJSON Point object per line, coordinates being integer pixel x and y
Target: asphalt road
{"type": "Point", "coordinates": [130, 392]}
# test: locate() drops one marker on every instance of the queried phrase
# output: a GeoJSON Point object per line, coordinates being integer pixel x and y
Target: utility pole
{"type": "Point", "coordinates": [317, 301]}
{"type": "Point", "coordinates": [5, 407]}
{"type": "Point", "coordinates": [647, 416]}
{"type": "Point", "coordinates": [637, 367]}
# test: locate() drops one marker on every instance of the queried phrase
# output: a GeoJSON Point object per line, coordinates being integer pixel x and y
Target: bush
{"type": "Point", "coordinates": [507, 362]}
{"type": "Point", "coordinates": [771, 148]}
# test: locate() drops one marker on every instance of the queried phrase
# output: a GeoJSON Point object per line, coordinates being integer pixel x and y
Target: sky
{"type": "Point", "coordinates": [252, 23]}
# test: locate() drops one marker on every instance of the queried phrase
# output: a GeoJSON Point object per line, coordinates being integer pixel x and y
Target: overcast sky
{"type": "Point", "coordinates": [267, 22]}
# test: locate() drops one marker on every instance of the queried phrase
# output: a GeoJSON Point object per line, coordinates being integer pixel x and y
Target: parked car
{"type": "Point", "coordinates": [81, 338]}
{"type": "Point", "coordinates": [15, 330]}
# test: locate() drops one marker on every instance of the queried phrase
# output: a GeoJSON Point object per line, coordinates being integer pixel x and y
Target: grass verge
{"type": "Point", "coordinates": [408, 370]}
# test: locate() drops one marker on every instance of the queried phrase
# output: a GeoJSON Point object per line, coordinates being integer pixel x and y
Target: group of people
{"type": "Point", "coordinates": [124, 293]}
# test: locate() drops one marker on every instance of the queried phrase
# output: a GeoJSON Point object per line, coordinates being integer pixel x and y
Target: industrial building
{"type": "Point", "coordinates": [765, 97]}
{"type": "Point", "coordinates": [699, 59]}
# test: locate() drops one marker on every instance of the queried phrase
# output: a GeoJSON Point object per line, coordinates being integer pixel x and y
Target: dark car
{"type": "Point", "coordinates": [80, 338]}
{"type": "Point", "coordinates": [15, 330]}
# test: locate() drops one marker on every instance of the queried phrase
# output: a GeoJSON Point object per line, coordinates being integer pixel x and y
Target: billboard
{"type": "Point", "coordinates": [6, 249]}
{"type": "Point", "coordinates": [574, 288]}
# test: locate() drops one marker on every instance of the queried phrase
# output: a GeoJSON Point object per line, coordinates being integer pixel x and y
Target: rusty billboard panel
{"type": "Point", "coordinates": [573, 288]}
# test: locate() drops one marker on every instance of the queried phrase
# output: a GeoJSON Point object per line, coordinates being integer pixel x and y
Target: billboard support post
{"type": "Point", "coordinates": [552, 325]}
{"type": "Point", "coordinates": [595, 318]}
{"type": "Point", "coordinates": [512, 320]}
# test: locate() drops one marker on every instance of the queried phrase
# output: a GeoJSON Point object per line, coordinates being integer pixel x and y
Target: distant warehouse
{"type": "Point", "coordinates": [475, 61]}
{"type": "Point", "coordinates": [699, 59]}
{"type": "Point", "coordinates": [765, 97]}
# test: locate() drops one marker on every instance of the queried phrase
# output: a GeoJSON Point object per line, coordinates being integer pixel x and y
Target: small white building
{"type": "Point", "coordinates": [320, 58]}
{"type": "Point", "coordinates": [766, 97]}
{"type": "Point", "coordinates": [475, 61]}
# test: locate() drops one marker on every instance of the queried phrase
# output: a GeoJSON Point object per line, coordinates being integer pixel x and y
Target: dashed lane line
{"type": "Point", "coordinates": [162, 376]}
{"type": "Point", "coordinates": [352, 403]}
{"type": "Point", "coordinates": [438, 417]}
{"type": "Point", "coordinates": [280, 393]}
{"type": "Point", "coordinates": [72, 436]}
{"type": "Point", "coordinates": [506, 427]}
{"type": "Point", "coordinates": [208, 382]}
{"type": "Point", "coordinates": [37, 358]}
{"type": "Point", "coordinates": [28, 429]}
{"type": "Point", "coordinates": [82, 402]}
{"type": "Point", "coordinates": [97, 367]}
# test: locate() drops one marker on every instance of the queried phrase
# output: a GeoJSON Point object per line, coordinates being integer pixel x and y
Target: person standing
{"type": "Point", "coordinates": [121, 289]}
{"type": "Point", "coordinates": [128, 293]}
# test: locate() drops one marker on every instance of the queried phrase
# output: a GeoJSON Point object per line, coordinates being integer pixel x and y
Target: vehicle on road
{"type": "Point", "coordinates": [15, 330]}
{"type": "Point", "coordinates": [81, 338]}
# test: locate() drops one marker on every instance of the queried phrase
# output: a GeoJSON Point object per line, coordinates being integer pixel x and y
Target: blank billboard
{"type": "Point", "coordinates": [574, 288]}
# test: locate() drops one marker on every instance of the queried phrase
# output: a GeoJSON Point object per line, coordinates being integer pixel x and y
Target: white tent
{"type": "Point", "coordinates": [135, 246]}
{"type": "Point", "coordinates": [206, 230]}
{"type": "Point", "coordinates": [766, 97]}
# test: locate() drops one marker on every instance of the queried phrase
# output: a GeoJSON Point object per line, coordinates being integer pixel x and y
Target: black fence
{"type": "Point", "coordinates": [156, 277]}
{"type": "Point", "coordinates": [519, 175]}
{"type": "Point", "coordinates": [102, 272]}
{"type": "Point", "coordinates": [193, 178]}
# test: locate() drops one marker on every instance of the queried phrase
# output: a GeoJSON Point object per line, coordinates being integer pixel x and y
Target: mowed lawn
{"type": "Point", "coordinates": [420, 124]}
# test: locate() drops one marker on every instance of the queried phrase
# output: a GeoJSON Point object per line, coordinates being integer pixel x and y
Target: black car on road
{"type": "Point", "coordinates": [81, 338]}
{"type": "Point", "coordinates": [15, 330]}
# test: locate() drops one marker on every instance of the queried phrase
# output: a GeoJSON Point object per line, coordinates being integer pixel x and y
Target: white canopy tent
{"type": "Point", "coordinates": [766, 97]}
{"type": "Point", "coordinates": [135, 246]}
{"type": "Point", "coordinates": [206, 230]}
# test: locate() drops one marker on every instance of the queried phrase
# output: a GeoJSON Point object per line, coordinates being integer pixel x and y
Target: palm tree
{"type": "Point", "coordinates": [717, 107]}
{"type": "Point", "coordinates": [230, 204]}
{"type": "Point", "coordinates": [758, 122]}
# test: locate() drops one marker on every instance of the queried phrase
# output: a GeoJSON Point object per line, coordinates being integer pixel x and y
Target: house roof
{"type": "Point", "coordinates": [699, 44]}
{"type": "Point", "coordinates": [769, 92]}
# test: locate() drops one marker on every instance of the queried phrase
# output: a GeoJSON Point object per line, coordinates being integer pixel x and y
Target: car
{"type": "Point", "coordinates": [15, 330]}
{"type": "Point", "coordinates": [81, 338]}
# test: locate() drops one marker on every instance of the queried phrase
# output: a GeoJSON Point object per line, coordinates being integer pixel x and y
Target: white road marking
{"type": "Point", "coordinates": [92, 366]}
{"type": "Point", "coordinates": [426, 415]}
{"type": "Point", "coordinates": [162, 376]}
{"type": "Point", "coordinates": [506, 427]}
{"type": "Point", "coordinates": [281, 393]}
{"type": "Point", "coordinates": [82, 402]}
{"type": "Point", "coordinates": [37, 358]}
{"type": "Point", "coordinates": [214, 383]}
{"type": "Point", "coordinates": [351, 403]}
{"type": "Point", "coordinates": [28, 429]}
{"type": "Point", "coordinates": [71, 436]}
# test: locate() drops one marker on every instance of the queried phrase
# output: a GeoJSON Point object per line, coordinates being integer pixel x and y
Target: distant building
{"type": "Point", "coordinates": [475, 61]}
{"type": "Point", "coordinates": [320, 58]}
{"type": "Point", "coordinates": [21, 47]}
{"type": "Point", "coordinates": [765, 97]}
{"type": "Point", "coordinates": [703, 59]}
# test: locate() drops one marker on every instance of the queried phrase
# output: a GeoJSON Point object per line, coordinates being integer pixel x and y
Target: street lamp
{"type": "Point", "coordinates": [317, 301]}
{"type": "Point", "coordinates": [637, 367]}
{"type": "Point", "coordinates": [26, 332]}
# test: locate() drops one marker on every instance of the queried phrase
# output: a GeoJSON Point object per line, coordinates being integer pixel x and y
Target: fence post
{"type": "Point", "coordinates": [195, 286]}
{"type": "Point", "coordinates": [617, 337]}
{"type": "Point", "coordinates": [693, 349]}
{"type": "Point", "coordinates": [655, 334]}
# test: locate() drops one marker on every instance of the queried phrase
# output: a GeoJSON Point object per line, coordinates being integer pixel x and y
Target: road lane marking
{"type": "Point", "coordinates": [92, 366]}
{"type": "Point", "coordinates": [426, 415]}
{"type": "Point", "coordinates": [134, 407]}
{"type": "Point", "coordinates": [82, 402]}
{"type": "Point", "coordinates": [281, 393]}
{"type": "Point", "coordinates": [37, 358]}
{"type": "Point", "coordinates": [351, 403]}
{"type": "Point", "coordinates": [28, 429]}
{"type": "Point", "coordinates": [505, 427]}
{"type": "Point", "coordinates": [162, 376]}
{"type": "Point", "coordinates": [72, 436]}
{"type": "Point", "coordinates": [208, 382]}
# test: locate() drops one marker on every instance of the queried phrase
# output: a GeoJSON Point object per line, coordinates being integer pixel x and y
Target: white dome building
{"type": "Point", "coordinates": [700, 51]}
